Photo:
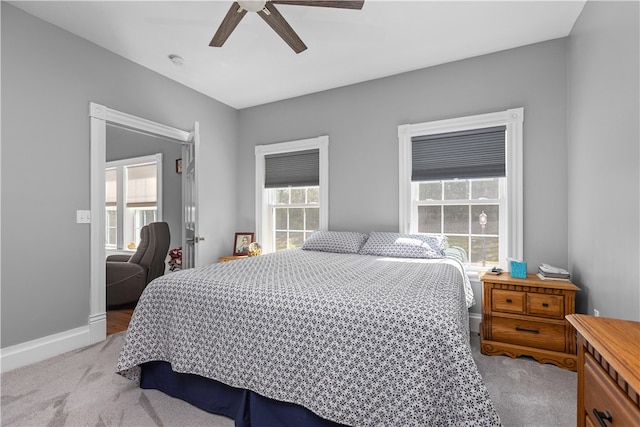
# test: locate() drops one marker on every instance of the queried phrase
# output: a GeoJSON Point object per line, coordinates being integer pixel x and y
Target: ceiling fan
{"type": "Point", "coordinates": [267, 10]}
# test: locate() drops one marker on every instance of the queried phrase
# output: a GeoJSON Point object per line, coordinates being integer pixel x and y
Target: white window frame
{"type": "Point", "coordinates": [120, 207]}
{"type": "Point", "coordinates": [321, 143]}
{"type": "Point", "coordinates": [513, 120]}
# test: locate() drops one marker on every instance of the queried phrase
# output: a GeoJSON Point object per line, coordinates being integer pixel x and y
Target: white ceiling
{"type": "Point", "coordinates": [255, 66]}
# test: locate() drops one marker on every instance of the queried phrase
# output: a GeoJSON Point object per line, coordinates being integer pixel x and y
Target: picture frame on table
{"type": "Point", "coordinates": [241, 243]}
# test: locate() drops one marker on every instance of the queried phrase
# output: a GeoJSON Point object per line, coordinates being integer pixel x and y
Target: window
{"type": "Point", "coordinates": [133, 199]}
{"type": "Point", "coordinates": [295, 214]}
{"type": "Point", "coordinates": [291, 192]}
{"type": "Point", "coordinates": [455, 208]}
{"type": "Point", "coordinates": [451, 183]}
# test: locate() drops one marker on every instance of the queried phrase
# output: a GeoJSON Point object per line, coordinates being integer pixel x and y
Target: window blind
{"type": "Point", "coordinates": [477, 153]}
{"type": "Point", "coordinates": [292, 169]}
{"type": "Point", "coordinates": [111, 187]}
{"type": "Point", "coordinates": [142, 186]}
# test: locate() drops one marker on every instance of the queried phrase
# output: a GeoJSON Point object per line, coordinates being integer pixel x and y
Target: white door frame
{"type": "Point", "coordinates": [190, 209]}
{"type": "Point", "coordinates": [102, 116]}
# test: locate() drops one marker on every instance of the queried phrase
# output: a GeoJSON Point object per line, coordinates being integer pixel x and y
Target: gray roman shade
{"type": "Point", "coordinates": [142, 185]}
{"type": "Point", "coordinates": [292, 169]}
{"type": "Point", "coordinates": [111, 187]}
{"type": "Point", "coordinates": [477, 153]}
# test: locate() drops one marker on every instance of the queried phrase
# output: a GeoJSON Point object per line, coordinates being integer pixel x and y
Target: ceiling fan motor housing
{"type": "Point", "coordinates": [252, 5]}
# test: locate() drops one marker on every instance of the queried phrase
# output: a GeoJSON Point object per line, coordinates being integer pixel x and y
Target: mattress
{"type": "Point", "coordinates": [356, 339]}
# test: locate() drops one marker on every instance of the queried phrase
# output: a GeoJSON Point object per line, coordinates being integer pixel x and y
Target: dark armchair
{"type": "Point", "coordinates": [127, 276]}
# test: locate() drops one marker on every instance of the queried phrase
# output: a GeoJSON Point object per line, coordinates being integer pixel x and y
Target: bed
{"type": "Point", "coordinates": [352, 329]}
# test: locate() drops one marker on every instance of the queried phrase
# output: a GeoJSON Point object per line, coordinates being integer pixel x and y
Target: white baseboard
{"type": "Point", "coordinates": [43, 348]}
{"type": "Point", "coordinates": [474, 322]}
{"type": "Point", "coordinates": [97, 327]}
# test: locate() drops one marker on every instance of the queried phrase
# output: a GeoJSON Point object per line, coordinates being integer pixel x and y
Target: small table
{"type": "Point", "coordinates": [231, 258]}
{"type": "Point", "coordinates": [527, 317]}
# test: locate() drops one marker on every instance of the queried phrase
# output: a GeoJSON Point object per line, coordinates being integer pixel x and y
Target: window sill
{"type": "Point", "coordinates": [473, 271]}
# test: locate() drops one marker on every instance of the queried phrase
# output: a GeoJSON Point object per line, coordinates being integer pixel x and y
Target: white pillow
{"type": "Point", "coordinates": [341, 242]}
{"type": "Point", "coordinates": [405, 245]}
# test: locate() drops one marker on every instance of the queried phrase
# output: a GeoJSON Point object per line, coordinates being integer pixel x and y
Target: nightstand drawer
{"type": "Point", "coordinates": [545, 305]}
{"type": "Point", "coordinates": [508, 301]}
{"type": "Point", "coordinates": [603, 395]}
{"type": "Point", "coordinates": [547, 336]}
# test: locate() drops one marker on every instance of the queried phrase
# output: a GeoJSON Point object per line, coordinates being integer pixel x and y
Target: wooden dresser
{"type": "Point", "coordinates": [527, 317]}
{"type": "Point", "coordinates": [608, 371]}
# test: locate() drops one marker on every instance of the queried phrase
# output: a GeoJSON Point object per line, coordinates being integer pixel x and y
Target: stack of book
{"type": "Point", "coordinates": [548, 272]}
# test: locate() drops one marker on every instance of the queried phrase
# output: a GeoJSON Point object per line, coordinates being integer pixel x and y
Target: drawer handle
{"type": "Point", "coordinates": [533, 331]}
{"type": "Point", "coordinates": [544, 304]}
{"type": "Point", "coordinates": [601, 416]}
{"type": "Point", "coordinates": [509, 300]}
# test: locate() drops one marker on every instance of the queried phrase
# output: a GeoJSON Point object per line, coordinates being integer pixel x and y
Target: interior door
{"type": "Point", "coordinates": [190, 238]}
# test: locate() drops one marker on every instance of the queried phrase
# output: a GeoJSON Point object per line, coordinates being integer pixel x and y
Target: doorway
{"type": "Point", "coordinates": [118, 319]}
{"type": "Point", "coordinates": [100, 118]}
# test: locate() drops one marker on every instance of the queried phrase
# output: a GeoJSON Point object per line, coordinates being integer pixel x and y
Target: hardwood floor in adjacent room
{"type": "Point", "coordinates": [118, 319]}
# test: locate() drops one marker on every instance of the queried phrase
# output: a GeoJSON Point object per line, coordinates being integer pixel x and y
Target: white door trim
{"type": "Point", "coordinates": [102, 116]}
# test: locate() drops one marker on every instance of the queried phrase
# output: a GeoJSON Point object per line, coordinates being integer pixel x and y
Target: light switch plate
{"type": "Point", "coordinates": [83, 217]}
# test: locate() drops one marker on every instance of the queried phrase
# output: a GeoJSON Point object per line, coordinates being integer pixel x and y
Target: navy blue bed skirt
{"type": "Point", "coordinates": [247, 408]}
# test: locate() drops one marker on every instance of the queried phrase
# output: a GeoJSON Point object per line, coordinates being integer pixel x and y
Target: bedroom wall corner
{"type": "Point", "coordinates": [604, 158]}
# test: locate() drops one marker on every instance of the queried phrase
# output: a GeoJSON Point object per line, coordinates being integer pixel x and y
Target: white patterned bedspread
{"type": "Point", "coordinates": [357, 339]}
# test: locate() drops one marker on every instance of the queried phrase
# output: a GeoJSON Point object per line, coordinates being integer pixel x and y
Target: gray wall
{"type": "Point", "coordinates": [362, 120]}
{"type": "Point", "coordinates": [125, 144]}
{"type": "Point", "coordinates": [604, 158]}
{"type": "Point", "coordinates": [49, 76]}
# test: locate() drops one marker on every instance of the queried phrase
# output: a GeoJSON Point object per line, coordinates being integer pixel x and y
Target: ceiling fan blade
{"type": "Point", "coordinates": [280, 26]}
{"type": "Point", "coordinates": [229, 23]}
{"type": "Point", "coordinates": [340, 4]}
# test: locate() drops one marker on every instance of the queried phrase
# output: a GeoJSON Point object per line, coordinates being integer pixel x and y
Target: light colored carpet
{"type": "Point", "coordinates": [526, 393]}
{"type": "Point", "coordinates": [80, 388]}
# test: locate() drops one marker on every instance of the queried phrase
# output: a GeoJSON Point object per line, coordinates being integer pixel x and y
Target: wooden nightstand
{"type": "Point", "coordinates": [231, 258]}
{"type": "Point", "coordinates": [527, 317]}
